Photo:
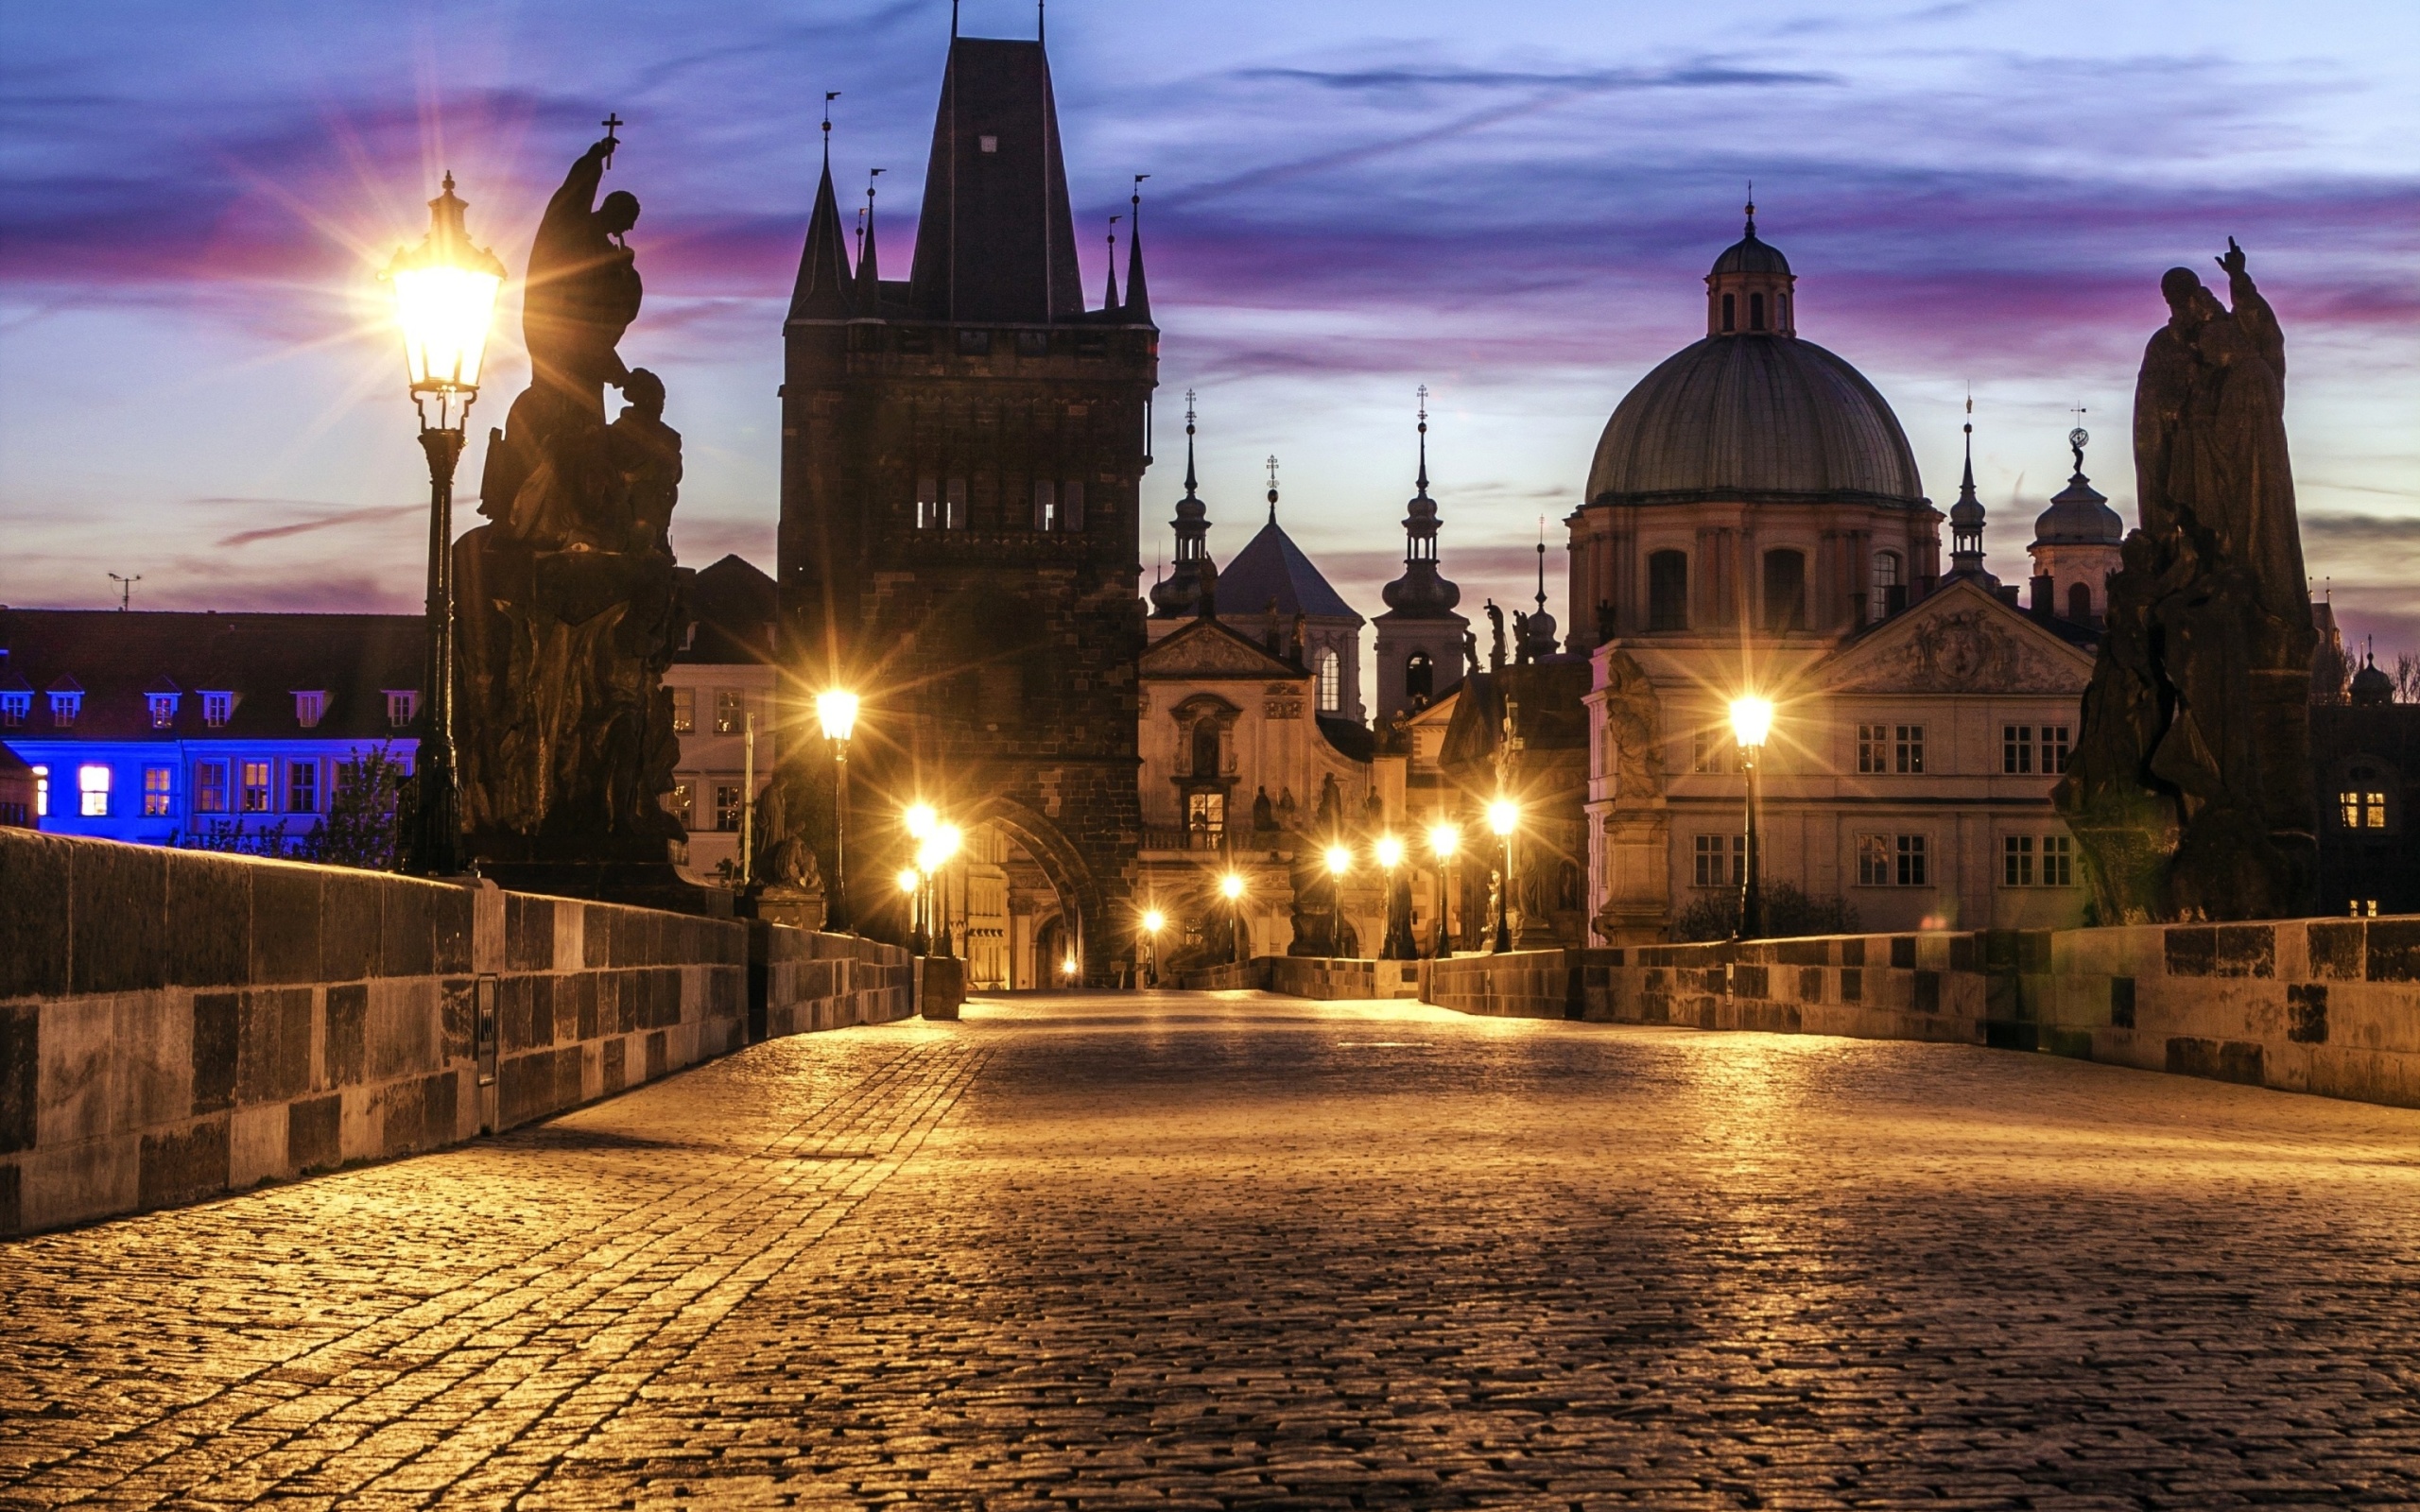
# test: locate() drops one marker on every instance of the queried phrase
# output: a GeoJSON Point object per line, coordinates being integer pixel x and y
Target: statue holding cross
{"type": "Point", "coordinates": [583, 288]}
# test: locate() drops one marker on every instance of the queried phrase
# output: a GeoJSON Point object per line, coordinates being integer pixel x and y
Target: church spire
{"type": "Point", "coordinates": [1138, 299]}
{"type": "Point", "coordinates": [1420, 593]}
{"type": "Point", "coordinates": [1966, 518]}
{"type": "Point", "coordinates": [1186, 589]}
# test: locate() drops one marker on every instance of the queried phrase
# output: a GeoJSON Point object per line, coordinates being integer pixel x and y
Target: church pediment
{"type": "Point", "coordinates": [1208, 649]}
{"type": "Point", "coordinates": [1960, 640]}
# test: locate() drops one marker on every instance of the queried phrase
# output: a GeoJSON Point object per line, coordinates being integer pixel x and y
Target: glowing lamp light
{"type": "Point", "coordinates": [445, 294]}
{"type": "Point", "coordinates": [1442, 839]}
{"type": "Point", "coordinates": [1751, 720]}
{"type": "Point", "coordinates": [1153, 921]}
{"type": "Point", "coordinates": [1069, 966]}
{"type": "Point", "coordinates": [920, 820]}
{"type": "Point", "coordinates": [838, 712]}
{"type": "Point", "coordinates": [1390, 852]}
{"type": "Point", "coordinates": [906, 879]}
{"type": "Point", "coordinates": [945, 840]}
{"type": "Point", "coordinates": [1339, 860]}
{"type": "Point", "coordinates": [1504, 816]}
{"type": "Point", "coordinates": [1231, 886]}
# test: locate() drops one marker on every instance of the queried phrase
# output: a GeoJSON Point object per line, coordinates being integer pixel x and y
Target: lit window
{"type": "Point", "coordinates": [680, 801]}
{"type": "Point", "coordinates": [1907, 752]}
{"type": "Point", "coordinates": [730, 711]}
{"type": "Point", "coordinates": [302, 787]}
{"type": "Point", "coordinates": [256, 787]}
{"type": "Point", "coordinates": [1874, 860]}
{"type": "Point", "coordinates": [42, 792]}
{"type": "Point", "coordinates": [727, 805]}
{"type": "Point", "coordinates": [164, 709]}
{"type": "Point", "coordinates": [14, 707]}
{"type": "Point", "coordinates": [64, 707]}
{"type": "Point", "coordinates": [309, 708]}
{"type": "Point", "coordinates": [1872, 748]}
{"type": "Point", "coordinates": [210, 787]}
{"type": "Point", "coordinates": [1331, 683]}
{"type": "Point", "coordinates": [2016, 860]}
{"type": "Point", "coordinates": [2017, 748]}
{"type": "Point", "coordinates": [685, 711]}
{"type": "Point", "coordinates": [93, 791]}
{"type": "Point", "coordinates": [1045, 505]}
{"type": "Point", "coordinates": [216, 707]}
{"type": "Point", "coordinates": [1205, 817]}
{"type": "Point", "coordinates": [929, 504]}
{"type": "Point", "coordinates": [402, 704]}
{"type": "Point", "coordinates": [1912, 860]}
{"type": "Point", "coordinates": [2055, 748]}
{"type": "Point", "coordinates": [1722, 860]}
{"type": "Point", "coordinates": [158, 789]}
{"type": "Point", "coordinates": [2058, 861]}
{"type": "Point", "coordinates": [2363, 808]}
{"type": "Point", "coordinates": [953, 513]}
{"type": "Point", "coordinates": [1071, 506]}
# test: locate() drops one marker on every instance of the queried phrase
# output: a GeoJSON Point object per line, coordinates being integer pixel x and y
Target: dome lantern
{"type": "Point", "coordinates": [1750, 291]}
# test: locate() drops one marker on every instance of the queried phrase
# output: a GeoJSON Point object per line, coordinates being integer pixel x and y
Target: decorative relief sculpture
{"type": "Point", "coordinates": [570, 605]}
{"type": "Point", "coordinates": [1632, 719]}
{"type": "Point", "coordinates": [2189, 789]}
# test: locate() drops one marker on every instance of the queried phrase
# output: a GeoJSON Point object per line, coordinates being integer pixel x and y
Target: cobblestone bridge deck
{"type": "Point", "coordinates": [1234, 1251]}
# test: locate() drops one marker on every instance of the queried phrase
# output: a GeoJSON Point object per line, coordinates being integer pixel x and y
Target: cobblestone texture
{"type": "Point", "coordinates": [1232, 1251]}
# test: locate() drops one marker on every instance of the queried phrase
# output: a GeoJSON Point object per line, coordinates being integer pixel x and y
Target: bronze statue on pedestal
{"type": "Point", "coordinates": [2189, 790]}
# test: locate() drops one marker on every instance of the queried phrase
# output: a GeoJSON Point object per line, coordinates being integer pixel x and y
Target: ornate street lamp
{"type": "Point", "coordinates": [1153, 921]}
{"type": "Point", "coordinates": [938, 845]}
{"type": "Point", "coordinates": [1231, 887]}
{"type": "Point", "coordinates": [838, 712]}
{"type": "Point", "coordinates": [1443, 840]}
{"type": "Point", "coordinates": [1751, 721]}
{"type": "Point", "coordinates": [1504, 816]}
{"type": "Point", "coordinates": [1339, 861]}
{"type": "Point", "coordinates": [445, 293]}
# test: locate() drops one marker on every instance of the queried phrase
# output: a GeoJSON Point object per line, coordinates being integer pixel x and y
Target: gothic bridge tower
{"type": "Point", "coordinates": [961, 455]}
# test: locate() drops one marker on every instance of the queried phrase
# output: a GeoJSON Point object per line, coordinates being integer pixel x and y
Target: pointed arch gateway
{"type": "Point", "coordinates": [1081, 924]}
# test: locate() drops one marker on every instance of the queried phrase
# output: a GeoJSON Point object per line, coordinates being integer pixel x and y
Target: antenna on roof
{"type": "Point", "coordinates": [125, 589]}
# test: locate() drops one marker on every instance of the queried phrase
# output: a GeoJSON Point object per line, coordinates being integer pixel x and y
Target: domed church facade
{"type": "Point", "coordinates": [1754, 523]}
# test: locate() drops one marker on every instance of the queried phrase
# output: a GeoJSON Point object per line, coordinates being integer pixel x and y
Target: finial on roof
{"type": "Point", "coordinates": [2078, 440]}
{"type": "Point", "coordinates": [1108, 300]}
{"type": "Point", "coordinates": [1542, 563]}
{"type": "Point", "coordinates": [829, 96]}
{"type": "Point", "coordinates": [1189, 484]}
{"type": "Point", "coordinates": [1272, 490]}
{"type": "Point", "coordinates": [1752, 207]}
{"type": "Point", "coordinates": [1423, 437]}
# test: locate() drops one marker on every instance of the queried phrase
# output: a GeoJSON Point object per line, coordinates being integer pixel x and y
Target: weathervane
{"type": "Point", "coordinates": [2078, 438]}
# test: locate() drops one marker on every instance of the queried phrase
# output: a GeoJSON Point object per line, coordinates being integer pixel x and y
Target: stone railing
{"type": "Point", "coordinates": [175, 1024]}
{"type": "Point", "coordinates": [2330, 1006]}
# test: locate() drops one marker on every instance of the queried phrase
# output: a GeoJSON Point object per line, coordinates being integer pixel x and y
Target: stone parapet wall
{"type": "Point", "coordinates": [2330, 1006]}
{"type": "Point", "coordinates": [1331, 978]}
{"type": "Point", "coordinates": [174, 1025]}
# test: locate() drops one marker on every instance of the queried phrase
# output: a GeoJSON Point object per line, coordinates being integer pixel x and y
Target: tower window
{"type": "Point", "coordinates": [2079, 602]}
{"type": "Point", "coordinates": [1668, 591]}
{"type": "Point", "coordinates": [1071, 507]}
{"type": "Point", "coordinates": [1045, 505]}
{"type": "Point", "coordinates": [1781, 312]}
{"type": "Point", "coordinates": [1419, 676]}
{"type": "Point", "coordinates": [1331, 683]}
{"type": "Point", "coordinates": [1756, 312]}
{"type": "Point", "coordinates": [2362, 808]}
{"type": "Point", "coordinates": [1785, 590]}
{"type": "Point", "coordinates": [953, 509]}
{"type": "Point", "coordinates": [1729, 307]}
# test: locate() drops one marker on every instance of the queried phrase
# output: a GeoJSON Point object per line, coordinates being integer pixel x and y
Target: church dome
{"type": "Point", "coordinates": [1762, 416]}
{"type": "Point", "coordinates": [1750, 254]}
{"type": "Point", "coordinates": [2079, 514]}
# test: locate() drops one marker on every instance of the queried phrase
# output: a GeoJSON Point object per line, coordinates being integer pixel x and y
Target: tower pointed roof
{"type": "Point", "coordinates": [1182, 591]}
{"type": "Point", "coordinates": [994, 242]}
{"type": "Point", "coordinates": [1109, 298]}
{"type": "Point", "coordinates": [1138, 297]}
{"type": "Point", "coordinates": [1421, 592]}
{"type": "Point", "coordinates": [1271, 573]}
{"type": "Point", "coordinates": [869, 294]}
{"type": "Point", "coordinates": [1967, 521]}
{"type": "Point", "coordinates": [822, 290]}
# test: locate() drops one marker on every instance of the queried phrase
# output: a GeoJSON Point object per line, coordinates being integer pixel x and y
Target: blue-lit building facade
{"type": "Point", "coordinates": [202, 728]}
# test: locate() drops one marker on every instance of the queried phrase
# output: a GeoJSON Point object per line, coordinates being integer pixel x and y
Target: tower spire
{"type": "Point", "coordinates": [1966, 517]}
{"type": "Point", "coordinates": [1138, 299]}
{"type": "Point", "coordinates": [868, 258]}
{"type": "Point", "coordinates": [1420, 593]}
{"type": "Point", "coordinates": [1108, 300]}
{"type": "Point", "coordinates": [1188, 589]}
{"type": "Point", "coordinates": [823, 289]}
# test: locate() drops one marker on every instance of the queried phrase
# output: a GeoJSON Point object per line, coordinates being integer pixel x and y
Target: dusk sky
{"type": "Point", "coordinates": [1511, 203]}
